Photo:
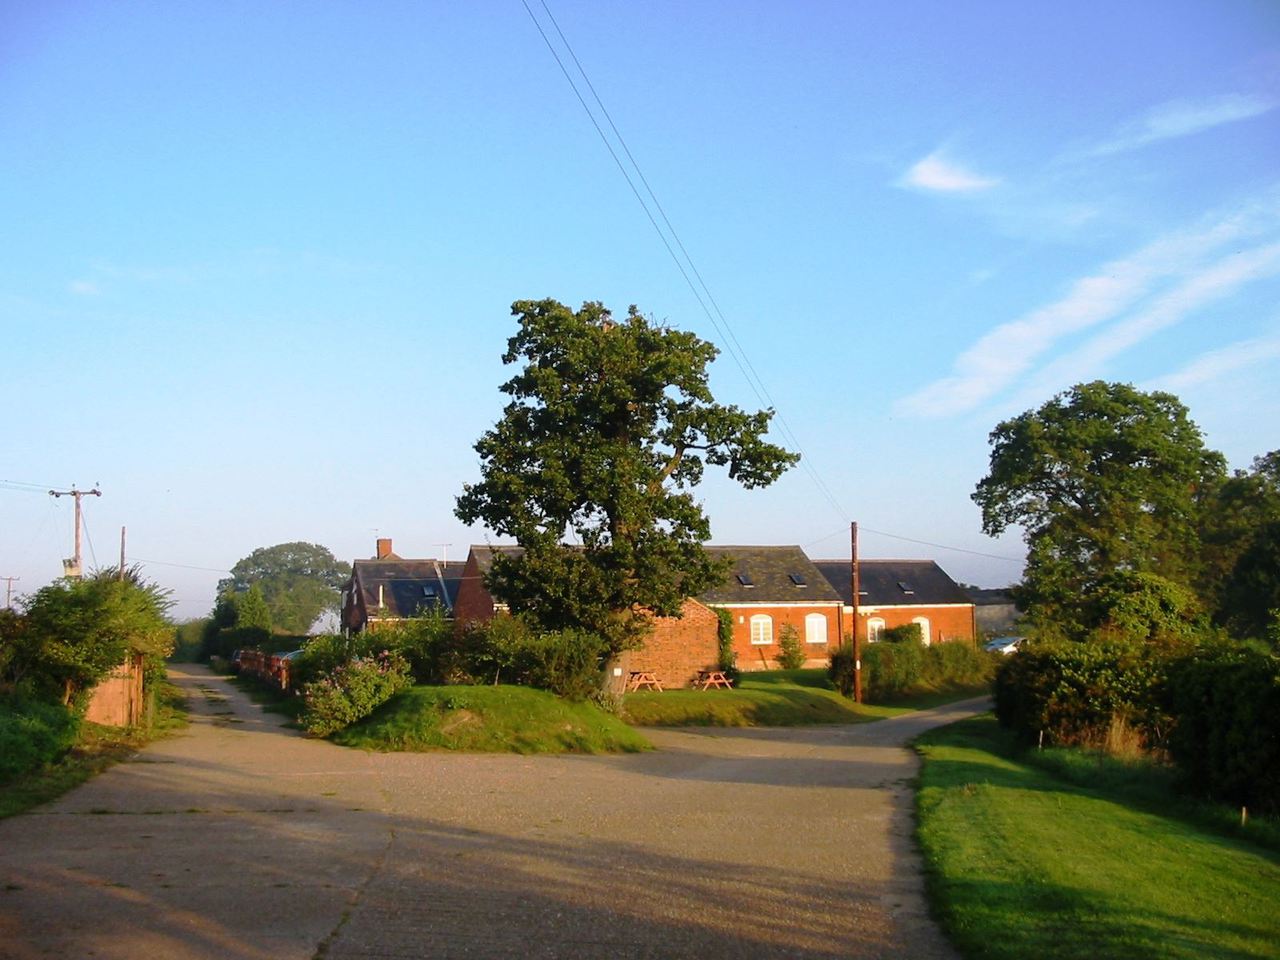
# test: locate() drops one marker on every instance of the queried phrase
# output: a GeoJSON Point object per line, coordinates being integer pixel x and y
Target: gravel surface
{"type": "Point", "coordinates": [243, 839]}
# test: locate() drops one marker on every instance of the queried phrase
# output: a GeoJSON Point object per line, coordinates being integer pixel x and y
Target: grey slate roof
{"type": "Point", "coordinates": [772, 573]}
{"type": "Point", "coordinates": [888, 583]}
{"type": "Point", "coordinates": [409, 587]}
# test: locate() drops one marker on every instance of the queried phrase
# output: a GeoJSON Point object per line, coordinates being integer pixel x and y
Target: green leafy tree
{"type": "Point", "coordinates": [1103, 478]}
{"type": "Point", "coordinates": [1251, 597]}
{"type": "Point", "coordinates": [299, 582]}
{"type": "Point", "coordinates": [77, 631]}
{"type": "Point", "coordinates": [252, 609]}
{"type": "Point", "coordinates": [1241, 506]}
{"type": "Point", "coordinates": [610, 426]}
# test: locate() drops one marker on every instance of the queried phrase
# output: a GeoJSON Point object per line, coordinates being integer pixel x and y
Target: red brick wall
{"type": "Point", "coordinates": [678, 647]}
{"type": "Point", "coordinates": [473, 603]}
{"type": "Point", "coordinates": [945, 623]}
{"type": "Point", "coordinates": [764, 657]}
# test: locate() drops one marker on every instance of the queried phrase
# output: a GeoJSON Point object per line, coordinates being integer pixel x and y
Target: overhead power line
{"type": "Point", "coordinates": [688, 269]}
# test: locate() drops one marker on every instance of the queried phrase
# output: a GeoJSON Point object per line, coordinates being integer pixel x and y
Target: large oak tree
{"type": "Point", "coordinates": [610, 425]}
{"type": "Point", "coordinates": [1104, 480]}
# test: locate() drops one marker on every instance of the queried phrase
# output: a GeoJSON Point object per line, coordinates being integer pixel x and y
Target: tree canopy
{"type": "Point", "coordinates": [1103, 479]}
{"type": "Point", "coordinates": [74, 632]}
{"type": "Point", "coordinates": [610, 425]}
{"type": "Point", "coordinates": [299, 581]}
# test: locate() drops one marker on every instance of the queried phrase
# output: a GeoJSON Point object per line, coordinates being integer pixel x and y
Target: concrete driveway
{"type": "Point", "coordinates": [242, 839]}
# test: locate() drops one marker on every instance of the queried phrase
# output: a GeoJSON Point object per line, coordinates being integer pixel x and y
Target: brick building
{"type": "Point", "coordinates": [897, 592]}
{"type": "Point", "coordinates": [388, 588]}
{"type": "Point", "coordinates": [768, 590]}
{"type": "Point", "coordinates": [675, 650]}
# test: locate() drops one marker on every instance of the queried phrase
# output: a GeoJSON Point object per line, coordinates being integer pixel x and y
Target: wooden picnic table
{"type": "Point", "coordinates": [643, 678]}
{"type": "Point", "coordinates": [713, 678]}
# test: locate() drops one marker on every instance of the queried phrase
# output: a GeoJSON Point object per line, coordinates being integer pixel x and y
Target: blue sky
{"type": "Point", "coordinates": [256, 261]}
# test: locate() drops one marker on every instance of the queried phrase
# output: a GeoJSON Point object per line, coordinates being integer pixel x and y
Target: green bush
{"type": "Point", "coordinates": [353, 691]}
{"type": "Point", "coordinates": [840, 667]}
{"type": "Point", "coordinates": [727, 659]}
{"type": "Point", "coordinates": [33, 733]}
{"type": "Point", "coordinates": [565, 662]}
{"type": "Point", "coordinates": [1226, 741]}
{"type": "Point", "coordinates": [1074, 692]}
{"type": "Point", "coordinates": [893, 670]}
{"type": "Point", "coordinates": [904, 633]}
{"type": "Point", "coordinates": [791, 655]}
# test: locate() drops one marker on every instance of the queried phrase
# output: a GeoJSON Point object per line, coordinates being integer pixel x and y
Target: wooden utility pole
{"type": "Point", "coordinates": [857, 587]}
{"type": "Point", "coordinates": [74, 567]}
{"type": "Point", "coordinates": [8, 591]}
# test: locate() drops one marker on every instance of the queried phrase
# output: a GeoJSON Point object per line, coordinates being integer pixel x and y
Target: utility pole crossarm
{"type": "Point", "coordinates": [73, 567]}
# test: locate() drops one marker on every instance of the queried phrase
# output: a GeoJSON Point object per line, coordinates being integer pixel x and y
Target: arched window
{"type": "Point", "coordinates": [815, 628]}
{"type": "Point", "coordinates": [875, 630]}
{"type": "Point", "coordinates": [761, 629]}
{"type": "Point", "coordinates": [924, 629]}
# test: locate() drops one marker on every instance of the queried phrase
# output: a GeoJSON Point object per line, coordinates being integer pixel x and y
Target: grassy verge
{"type": "Point", "coordinates": [1022, 861]}
{"type": "Point", "coordinates": [772, 698]}
{"type": "Point", "coordinates": [96, 748]}
{"type": "Point", "coordinates": [505, 719]}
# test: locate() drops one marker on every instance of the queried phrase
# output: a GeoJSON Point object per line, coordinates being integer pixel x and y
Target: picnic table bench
{"type": "Point", "coordinates": [712, 678]}
{"type": "Point", "coordinates": [643, 678]}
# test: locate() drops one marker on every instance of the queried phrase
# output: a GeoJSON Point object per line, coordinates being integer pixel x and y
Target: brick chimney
{"type": "Point", "coordinates": [384, 548]}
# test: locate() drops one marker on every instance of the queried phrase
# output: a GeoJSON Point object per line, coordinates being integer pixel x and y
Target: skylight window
{"type": "Point", "coordinates": [798, 579]}
{"type": "Point", "coordinates": [745, 580]}
{"type": "Point", "coordinates": [905, 587]}
{"type": "Point", "coordinates": [428, 591]}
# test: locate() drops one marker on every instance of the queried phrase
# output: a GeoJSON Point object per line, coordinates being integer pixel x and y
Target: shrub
{"type": "Point", "coordinates": [892, 669]}
{"type": "Point", "coordinates": [791, 655]}
{"type": "Point", "coordinates": [1076, 692]}
{"type": "Point", "coordinates": [1226, 699]}
{"type": "Point", "coordinates": [840, 667]}
{"type": "Point", "coordinates": [904, 633]}
{"type": "Point", "coordinates": [33, 733]}
{"type": "Point", "coordinates": [353, 691]}
{"type": "Point", "coordinates": [565, 662]}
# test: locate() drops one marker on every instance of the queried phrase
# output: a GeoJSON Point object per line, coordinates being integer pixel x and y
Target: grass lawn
{"type": "Point", "coordinates": [1024, 861]}
{"type": "Point", "coordinates": [96, 748]}
{"type": "Point", "coordinates": [772, 698]}
{"type": "Point", "coordinates": [505, 719]}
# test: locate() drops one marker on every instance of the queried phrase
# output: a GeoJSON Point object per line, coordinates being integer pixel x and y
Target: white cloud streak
{"type": "Point", "coordinates": [1004, 355]}
{"type": "Point", "coordinates": [84, 288]}
{"type": "Point", "coordinates": [938, 175]}
{"type": "Point", "coordinates": [1181, 118]}
{"type": "Point", "coordinates": [1216, 364]}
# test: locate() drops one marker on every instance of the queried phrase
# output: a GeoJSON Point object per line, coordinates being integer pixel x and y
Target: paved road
{"type": "Point", "coordinates": [242, 839]}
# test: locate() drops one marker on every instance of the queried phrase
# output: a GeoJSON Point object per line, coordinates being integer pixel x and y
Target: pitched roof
{"type": "Point", "coordinates": [769, 575]}
{"type": "Point", "coordinates": [409, 587]}
{"type": "Point", "coordinates": [888, 583]}
{"type": "Point", "coordinates": [484, 554]}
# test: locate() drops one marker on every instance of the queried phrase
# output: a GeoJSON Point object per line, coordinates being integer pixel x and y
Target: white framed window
{"type": "Point", "coordinates": [875, 630]}
{"type": "Point", "coordinates": [815, 628]}
{"type": "Point", "coordinates": [761, 629]}
{"type": "Point", "coordinates": [924, 629]}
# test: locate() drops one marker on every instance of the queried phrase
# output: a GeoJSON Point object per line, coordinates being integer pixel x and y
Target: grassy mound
{"type": "Point", "coordinates": [774, 698]}
{"type": "Point", "coordinates": [502, 719]}
{"type": "Point", "coordinates": [1026, 860]}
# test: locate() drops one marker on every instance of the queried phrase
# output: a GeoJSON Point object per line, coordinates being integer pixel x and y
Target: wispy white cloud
{"type": "Point", "coordinates": [84, 288]}
{"type": "Point", "coordinates": [1004, 355]}
{"type": "Point", "coordinates": [1196, 291]}
{"type": "Point", "coordinates": [1181, 118]}
{"type": "Point", "coordinates": [944, 176]}
{"type": "Point", "coordinates": [1216, 364]}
